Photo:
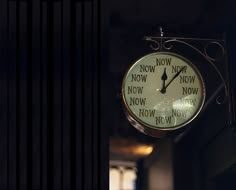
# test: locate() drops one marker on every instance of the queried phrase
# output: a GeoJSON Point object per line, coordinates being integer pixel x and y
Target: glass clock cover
{"type": "Point", "coordinates": [162, 91]}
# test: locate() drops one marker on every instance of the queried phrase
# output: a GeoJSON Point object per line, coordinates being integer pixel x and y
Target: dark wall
{"type": "Point", "coordinates": [205, 158]}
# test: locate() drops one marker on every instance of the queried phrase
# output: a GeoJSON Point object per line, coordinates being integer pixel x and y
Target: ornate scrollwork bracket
{"type": "Point", "coordinates": [162, 43]}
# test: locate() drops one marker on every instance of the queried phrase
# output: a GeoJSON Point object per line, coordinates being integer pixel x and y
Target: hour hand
{"type": "Point", "coordinates": [164, 78]}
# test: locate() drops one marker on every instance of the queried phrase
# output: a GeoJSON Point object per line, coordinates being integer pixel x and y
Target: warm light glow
{"type": "Point", "coordinates": [143, 150]}
{"type": "Point", "coordinates": [129, 148]}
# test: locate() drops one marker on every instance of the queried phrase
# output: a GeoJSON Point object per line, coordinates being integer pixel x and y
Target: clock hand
{"type": "Point", "coordinates": [163, 78]}
{"type": "Point", "coordinates": [163, 90]}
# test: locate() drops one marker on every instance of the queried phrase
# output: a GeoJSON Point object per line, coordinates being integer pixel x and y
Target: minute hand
{"type": "Point", "coordinates": [176, 75]}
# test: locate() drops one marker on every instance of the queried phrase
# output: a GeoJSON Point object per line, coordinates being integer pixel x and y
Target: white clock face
{"type": "Point", "coordinates": [163, 91]}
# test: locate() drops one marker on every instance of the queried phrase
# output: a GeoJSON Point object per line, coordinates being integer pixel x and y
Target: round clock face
{"type": "Point", "coordinates": [162, 91]}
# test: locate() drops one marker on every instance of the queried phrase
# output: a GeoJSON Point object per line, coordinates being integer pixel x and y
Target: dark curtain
{"type": "Point", "coordinates": [51, 133]}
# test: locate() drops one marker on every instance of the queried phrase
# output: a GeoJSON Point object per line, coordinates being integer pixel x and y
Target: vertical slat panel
{"type": "Point", "coordinates": [3, 97]}
{"type": "Point", "coordinates": [36, 101]}
{"type": "Point", "coordinates": [23, 96]}
{"type": "Point", "coordinates": [66, 96]}
{"type": "Point", "coordinates": [44, 93]}
{"type": "Point", "coordinates": [79, 102]}
{"type": "Point", "coordinates": [73, 113]}
{"type": "Point", "coordinates": [29, 133]}
{"type": "Point", "coordinates": [57, 59]}
{"type": "Point", "coordinates": [55, 140]}
{"type": "Point", "coordinates": [50, 96]}
{"type": "Point", "coordinates": [95, 93]}
{"type": "Point", "coordinates": [103, 41]}
{"type": "Point", "coordinates": [12, 96]}
{"type": "Point", "coordinates": [87, 97]}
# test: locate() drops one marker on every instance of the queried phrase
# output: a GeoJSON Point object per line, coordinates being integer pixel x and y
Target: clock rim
{"type": "Point", "coordinates": [155, 130]}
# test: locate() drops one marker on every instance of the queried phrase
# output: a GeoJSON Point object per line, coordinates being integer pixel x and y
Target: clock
{"type": "Point", "coordinates": [162, 92]}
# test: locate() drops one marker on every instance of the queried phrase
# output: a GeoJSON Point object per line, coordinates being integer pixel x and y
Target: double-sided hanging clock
{"type": "Point", "coordinates": [162, 92]}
